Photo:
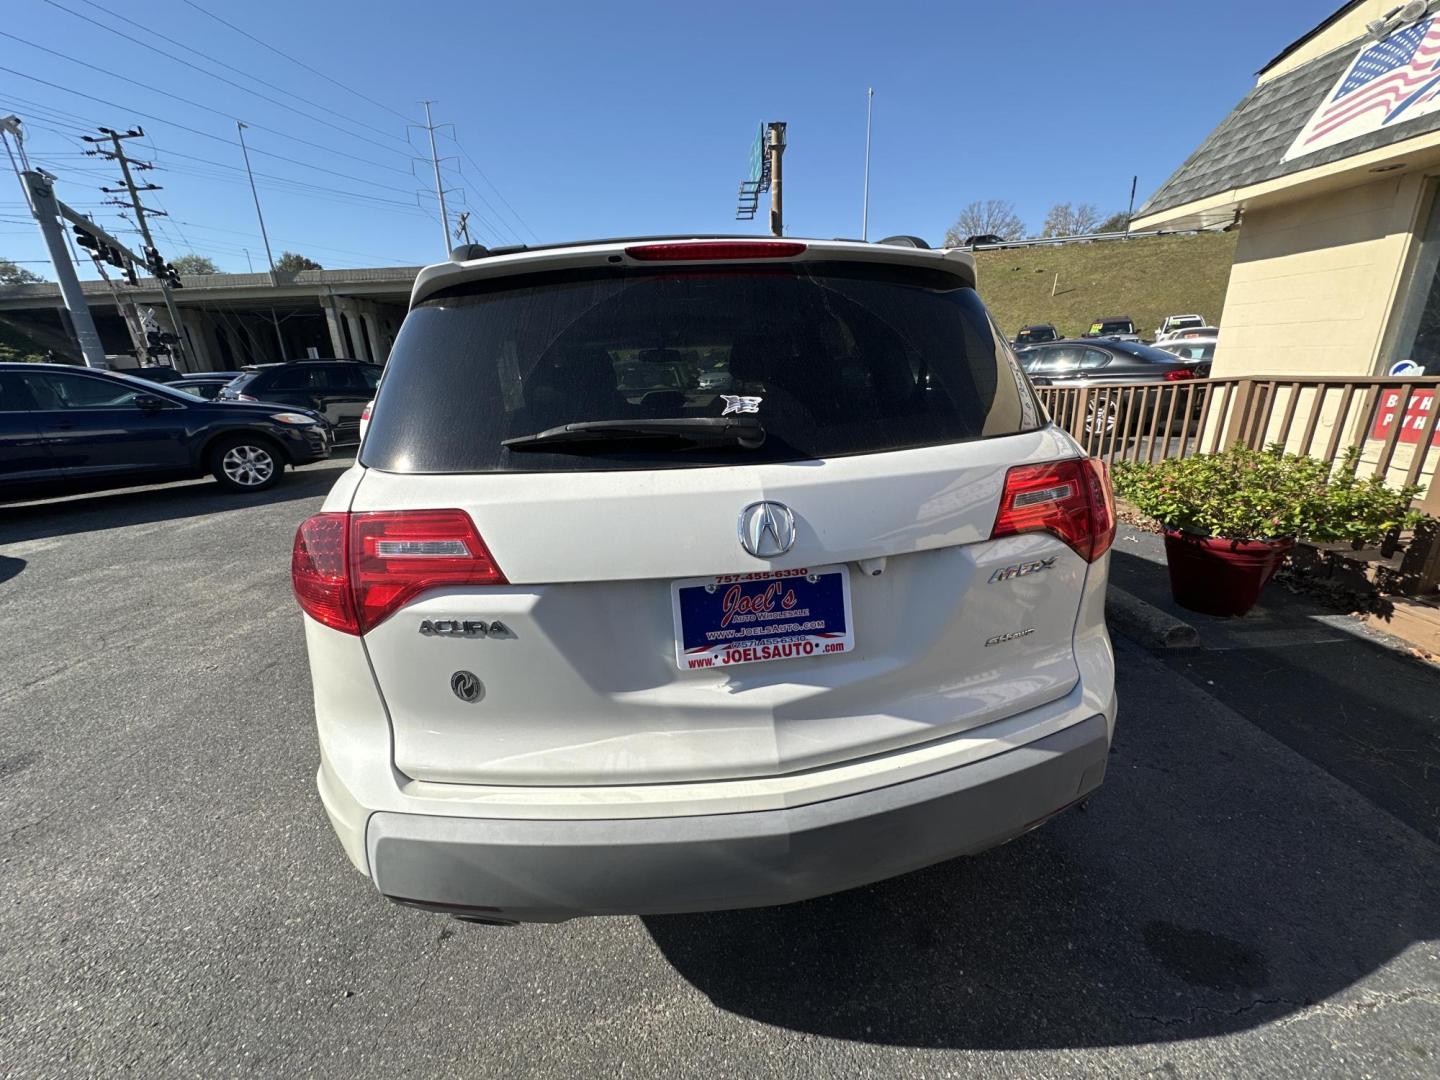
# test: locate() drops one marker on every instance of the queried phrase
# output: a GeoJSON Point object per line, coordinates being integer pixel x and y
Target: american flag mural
{"type": "Point", "coordinates": [1390, 81]}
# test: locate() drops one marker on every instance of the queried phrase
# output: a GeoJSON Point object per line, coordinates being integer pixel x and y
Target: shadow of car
{"type": "Point", "coordinates": [1193, 897]}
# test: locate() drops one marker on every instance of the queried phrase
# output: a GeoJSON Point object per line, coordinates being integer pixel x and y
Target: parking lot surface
{"type": "Point", "coordinates": [174, 901]}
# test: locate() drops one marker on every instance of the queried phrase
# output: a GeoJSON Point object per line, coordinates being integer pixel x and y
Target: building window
{"type": "Point", "coordinates": [1418, 339]}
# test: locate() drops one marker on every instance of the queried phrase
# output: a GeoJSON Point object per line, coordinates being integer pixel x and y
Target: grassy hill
{"type": "Point", "coordinates": [1146, 278]}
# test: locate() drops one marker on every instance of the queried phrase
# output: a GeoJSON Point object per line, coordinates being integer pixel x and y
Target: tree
{"type": "Point", "coordinates": [13, 274]}
{"type": "Point", "coordinates": [993, 217]}
{"type": "Point", "coordinates": [292, 263]}
{"type": "Point", "coordinates": [1116, 222]}
{"type": "Point", "coordinates": [195, 264]}
{"type": "Point", "coordinates": [1065, 219]}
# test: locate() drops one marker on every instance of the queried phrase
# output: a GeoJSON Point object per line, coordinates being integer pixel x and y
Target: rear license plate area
{"type": "Point", "coordinates": [733, 619]}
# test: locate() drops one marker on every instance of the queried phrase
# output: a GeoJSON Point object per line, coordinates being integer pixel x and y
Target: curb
{"type": "Point", "coordinates": [1146, 623]}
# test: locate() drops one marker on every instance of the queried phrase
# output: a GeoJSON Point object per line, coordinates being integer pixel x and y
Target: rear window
{"type": "Point", "coordinates": [1143, 352]}
{"type": "Point", "coordinates": [832, 358]}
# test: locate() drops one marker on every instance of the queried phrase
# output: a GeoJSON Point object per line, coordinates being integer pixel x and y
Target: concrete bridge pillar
{"type": "Point", "coordinates": [334, 323]}
{"type": "Point", "coordinates": [350, 312]}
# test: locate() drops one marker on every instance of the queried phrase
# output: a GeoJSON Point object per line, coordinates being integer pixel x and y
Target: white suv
{"type": "Point", "coordinates": [589, 637]}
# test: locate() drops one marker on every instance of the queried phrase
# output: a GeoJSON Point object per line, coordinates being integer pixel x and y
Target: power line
{"type": "Point", "coordinates": [205, 134]}
{"type": "Point", "coordinates": [207, 108]}
{"type": "Point", "coordinates": [241, 71]}
{"type": "Point", "coordinates": [293, 60]}
{"type": "Point", "coordinates": [476, 166]}
{"type": "Point", "coordinates": [222, 78]}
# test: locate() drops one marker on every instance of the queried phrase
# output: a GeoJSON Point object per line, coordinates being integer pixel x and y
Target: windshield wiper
{"type": "Point", "coordinates": [697, 430]}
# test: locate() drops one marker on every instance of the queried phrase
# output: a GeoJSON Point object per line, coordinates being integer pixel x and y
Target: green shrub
{"type": "Point", "coordinates": [1263, 495]}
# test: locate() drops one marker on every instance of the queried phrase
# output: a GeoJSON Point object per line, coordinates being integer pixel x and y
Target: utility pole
{"type": "Point", "coordinates": [269, 255]}
{"type": "Point", "coordinates": [865, 212]}
{"type": "Point", "coordinates": [439, 184]}
{"type": "Point", "coordinates": [152, 253]}
{"type": "Point", "coordinates": [1131, 212]}
{"type": "Point", "coordinates": [777, 203]}
{"type": "Point", "coordinates": [40, 193]}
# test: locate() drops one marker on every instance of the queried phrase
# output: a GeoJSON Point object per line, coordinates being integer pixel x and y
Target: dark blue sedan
{"type": "Point", "coordinates": [77, 429]}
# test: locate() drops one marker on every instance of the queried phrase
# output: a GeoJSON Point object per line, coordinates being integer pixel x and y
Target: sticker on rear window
{"type": "Point", "coordinates": [738, 403]}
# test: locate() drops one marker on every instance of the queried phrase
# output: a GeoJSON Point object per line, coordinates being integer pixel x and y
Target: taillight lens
{"type": "Point", "coordinates": [1179, 374]}
{"type": "Point", "coordinates": [365, 412]}
{"type": "Point", "coordinates": [319, 574]}
{"type": "Point", "coordinates": [1070, 499]}
{"type": "Point", "coordinates": [353, 571]}
{"type": "Point", "coordinates": [712, 251]}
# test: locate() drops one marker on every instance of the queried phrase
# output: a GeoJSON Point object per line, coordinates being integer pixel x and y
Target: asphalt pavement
{"type": "Point", "coordinates": [174, 903]}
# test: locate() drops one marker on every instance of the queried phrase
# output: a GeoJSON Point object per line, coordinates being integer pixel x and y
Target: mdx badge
{"type": "Point", "coordinates": [767, 529]}
{"type": "Point", "coordinates": [473, 628]}
{"type": "Point", "coordinates": [1021, 569]}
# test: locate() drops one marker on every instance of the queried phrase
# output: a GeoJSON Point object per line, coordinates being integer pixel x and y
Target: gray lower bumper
{"type": "Point", "coordinates": [552, 870]}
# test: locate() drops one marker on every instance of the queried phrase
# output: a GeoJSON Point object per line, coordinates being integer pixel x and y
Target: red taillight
{"type": "Point", "coordinates": [319, 574]}
{"type": "Point", "coordinates": [1178, 374]}
{"type": "Point", "coordinates": [1070, 499]}
{"type": "Point", "coordinates": [365, 412]}
{"type": "Point", "coordinates": [353, 571]}
{"type": "Point", "coordinates": [711, 251]}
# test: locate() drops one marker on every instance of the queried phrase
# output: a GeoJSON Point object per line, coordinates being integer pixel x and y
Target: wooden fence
{"type": "Point", "coordinates": [1393, 423]}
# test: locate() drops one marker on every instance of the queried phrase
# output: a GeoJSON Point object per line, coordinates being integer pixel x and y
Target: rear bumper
{"type": "Point", "coordinates": [549, 870]}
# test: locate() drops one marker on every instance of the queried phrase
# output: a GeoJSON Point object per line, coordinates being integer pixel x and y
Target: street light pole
{"type": "Point", "coordinates": [865, 212]}
{"type": "Point", "coordinates": [269, 255]}
{"type": "Point", "coordinates": [245, 152]}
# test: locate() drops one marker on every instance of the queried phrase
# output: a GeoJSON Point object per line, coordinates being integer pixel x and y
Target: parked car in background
{"type": "Point", "coordinates": [1107, 360]}
{"type": "Point", "coordinates": [336, 389]}
{"type": "Point", "coordinates": [206, 385]}
{"type": "Point", "coordinates": [1035, 334]}
{"type": "Point", "coordinates": [1120, 327]}
{"type": "Point", "coordinates": [574, 655]}
{"type": "Point", "coordinates": [1198, 351]}
{"type": "Point", "coordinates": [160, 373]}
{"type": "Point", "coordinates": [70, 429]}
{"type": "Point", "coordinates": [1193, 333]}
{"type": "Point", "coordinates": [983, 238]}
{"type": "Point", "coordinates": [1173, 323]}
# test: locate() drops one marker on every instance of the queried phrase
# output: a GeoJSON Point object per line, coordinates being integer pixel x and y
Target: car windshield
{"type": "Point", "coordinates": [830, 358]}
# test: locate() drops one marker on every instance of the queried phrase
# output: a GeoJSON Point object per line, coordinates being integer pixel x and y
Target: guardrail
{"type": "Point", "coordinates": [1394, 422]}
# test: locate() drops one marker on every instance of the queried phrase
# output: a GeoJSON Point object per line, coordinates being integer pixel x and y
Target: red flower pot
{"type": "Point", "coordinates": [1221, 577]}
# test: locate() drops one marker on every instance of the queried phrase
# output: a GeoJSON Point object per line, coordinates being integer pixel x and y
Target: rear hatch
{"type": "Point", "coordinates": [650, 599]}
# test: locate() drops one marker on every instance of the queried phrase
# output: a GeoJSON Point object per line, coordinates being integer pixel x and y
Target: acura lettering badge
{"type": "Point", "coordinates": [767, 529]}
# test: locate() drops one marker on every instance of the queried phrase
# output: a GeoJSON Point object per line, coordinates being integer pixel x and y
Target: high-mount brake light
{"type": "Point", "coordinates": [1069, 499]}
{"type": "Point", "coordinates": [352, 571]}
{"type": "Point", "coordinates": [715, 251]}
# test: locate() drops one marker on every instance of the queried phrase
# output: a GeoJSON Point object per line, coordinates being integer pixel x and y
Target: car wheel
{"type": "Point", "coordinates": [246, 463]}
{"type": "Point", "coordinates": [1100, 416]}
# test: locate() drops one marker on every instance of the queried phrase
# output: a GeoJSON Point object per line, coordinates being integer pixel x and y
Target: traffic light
{"type": "Point", "coordinates": [166, 274]}
{"type": "Point", "coordinates": [87, 240]}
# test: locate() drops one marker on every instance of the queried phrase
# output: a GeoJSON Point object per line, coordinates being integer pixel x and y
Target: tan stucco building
{"type": "Point", "coordinates": [1329, 168]}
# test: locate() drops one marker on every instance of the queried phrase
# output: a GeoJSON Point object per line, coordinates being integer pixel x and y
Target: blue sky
{"type": "Point", "coordinates": [618, 118]}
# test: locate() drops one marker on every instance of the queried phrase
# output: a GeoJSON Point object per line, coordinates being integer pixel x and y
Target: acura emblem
{"type": "Point", "coordinates": [767, 529]}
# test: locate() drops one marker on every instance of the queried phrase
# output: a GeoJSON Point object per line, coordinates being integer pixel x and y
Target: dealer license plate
{"type": "Point", "coordinates": [768, 615]}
